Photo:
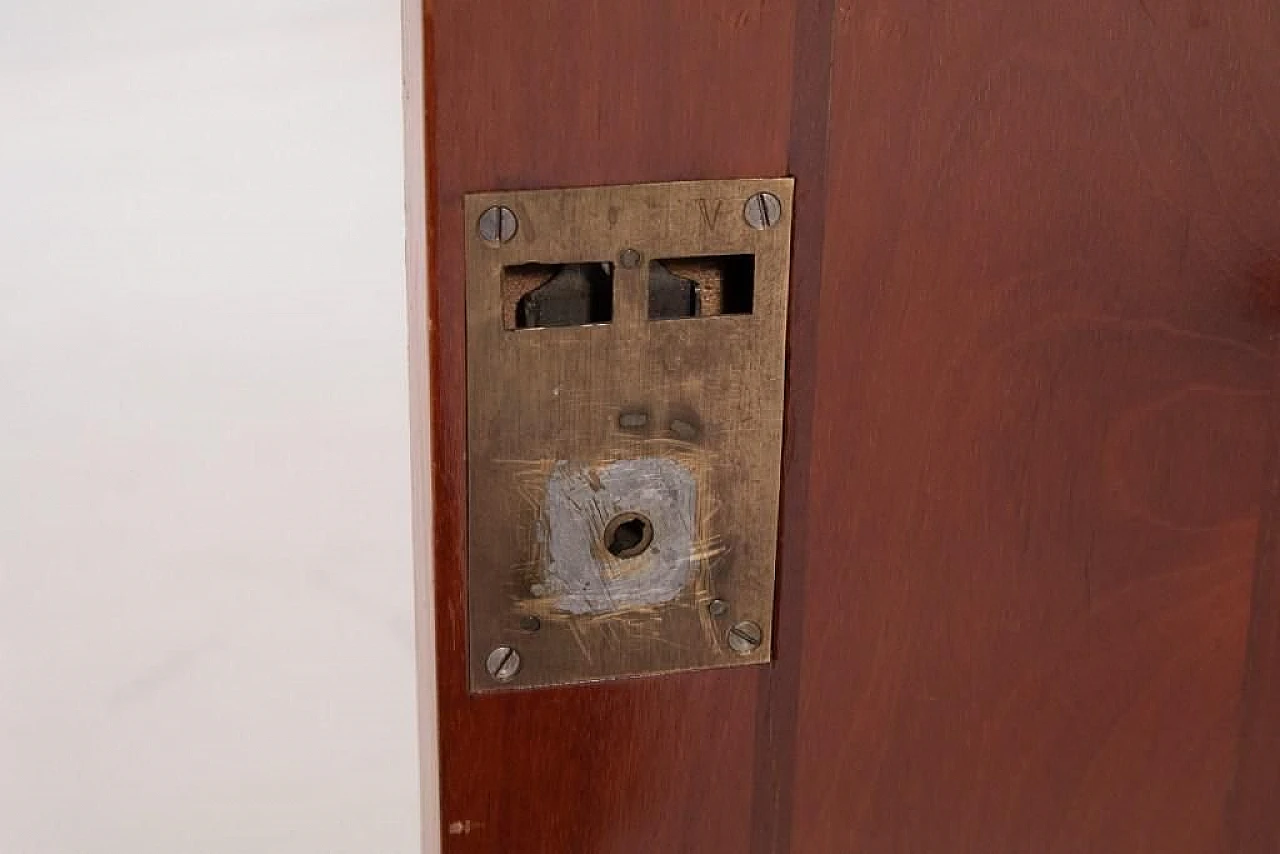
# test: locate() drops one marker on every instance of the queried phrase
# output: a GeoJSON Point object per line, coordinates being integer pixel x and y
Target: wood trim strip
{"type": "Point", "coordinates": [1254, 814]}
{"type": "Point", "coordinates": [807, 155]}
{"type": "Point", "coordinates": [413, 58]}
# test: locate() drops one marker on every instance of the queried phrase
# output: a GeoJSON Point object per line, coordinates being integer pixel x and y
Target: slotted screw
{"type": "Point", "coordinates": [503, 663]}
{"type": "Point", "coordinates": [498, 224]}
{"type": "Point", "coordinates": [763, 210]}
{"type": "Point", "coordinates": [745, 637]}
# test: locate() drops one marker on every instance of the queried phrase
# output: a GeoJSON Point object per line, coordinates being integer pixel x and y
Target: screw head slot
{"type": "Point", "coordinates": [503, 663]}
{"type": "Point", "coordinates": [745, 637]}
{"type": "Point", "coordinates": [628, 535]}
{"type": "Point", "coordinates": [763, 210]}
{"type": "Point", "coordinates": [498, 224]}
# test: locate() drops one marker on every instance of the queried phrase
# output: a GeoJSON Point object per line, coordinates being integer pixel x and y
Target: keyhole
{"type": "Point", "coordinates": [627, 535]}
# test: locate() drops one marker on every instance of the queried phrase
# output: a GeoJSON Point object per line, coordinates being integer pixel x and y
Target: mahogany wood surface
{"type": "Point", "coordinates": [1253, 821]}
{"type": "Point", "coordinates": [529, 95]}
{"type": "Point", "coordinates": [1043, 370]}
{"type": "Point", "coordinates": [1028, 593]}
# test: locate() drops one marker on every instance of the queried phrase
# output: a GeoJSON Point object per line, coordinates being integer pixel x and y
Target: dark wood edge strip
{"type": "Point", "coordinates": [1253, 813]}
{"type": "Point", "coordinates": [436, 515]}
{"type": "Point", "coordinates": [807, 156]}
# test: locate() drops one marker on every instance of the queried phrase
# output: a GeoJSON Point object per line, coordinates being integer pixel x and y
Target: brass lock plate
{"type": "Point", "coordinates": [625, 371]}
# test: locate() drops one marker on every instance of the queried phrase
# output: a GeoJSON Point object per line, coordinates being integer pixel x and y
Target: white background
{"type": "Point", "coordinates": [206, 623]}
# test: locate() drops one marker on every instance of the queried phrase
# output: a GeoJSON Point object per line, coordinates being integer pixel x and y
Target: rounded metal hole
{"type": "Point", "coordinates": [628, 534]}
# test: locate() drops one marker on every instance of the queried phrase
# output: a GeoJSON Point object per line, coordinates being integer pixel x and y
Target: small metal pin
{"type": "Point", "coordinates": [503, 663]}
{"type": "Point", "coordinates": [629, 259]}
{"type": "Point", "coordinates": [530, 623]}
{"type": "Point", "coordinates": [745, 637]}
{"type": "Point", "coordinates": [763, 210]}
{"type": "Point", "coordinates": [498, 224]}
{"type": "Point", "coordinates": [718, 607]}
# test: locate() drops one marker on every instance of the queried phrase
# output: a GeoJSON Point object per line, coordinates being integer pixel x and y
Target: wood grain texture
{"type": "Point", "coordinates": [809, 159]}
{"type": "Point", "coordinates": [1253, 824]}
{"type": "Point", "coordinates": [574, 93]}
{"type": "Point", "coordinates": [1023, 605]}
{"type": "Point", "coordinates": [1040, 414]}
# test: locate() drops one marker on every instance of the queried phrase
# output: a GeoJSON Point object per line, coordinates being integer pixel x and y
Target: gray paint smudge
{"type": "Point", "coordinates": [580, 575]}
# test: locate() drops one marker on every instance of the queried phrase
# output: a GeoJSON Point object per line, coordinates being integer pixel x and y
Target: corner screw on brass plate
{"type": "Point", "coordinates": [503, 663]}
{"type": "Point", "coordinates": [498, 224]}
{"type": "Point", "coordinates": [763, 210]}
{"type": "Point", "coordinates": [744, 637]}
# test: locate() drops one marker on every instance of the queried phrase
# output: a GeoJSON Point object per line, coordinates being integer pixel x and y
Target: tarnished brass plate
{"type": "Point", "coordinates": [625, 362]}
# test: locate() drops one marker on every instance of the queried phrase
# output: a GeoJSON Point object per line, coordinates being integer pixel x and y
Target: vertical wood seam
{"type": "Point", "coordinates": [779, 690]}
{"type": "Point", "coordinates": [1252, 827]}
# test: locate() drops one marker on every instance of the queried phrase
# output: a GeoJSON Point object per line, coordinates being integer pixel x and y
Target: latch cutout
{"type": "Point", "coordinates": [701, 287]}
{"type": "Point", "coordinates": [538, 296]}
